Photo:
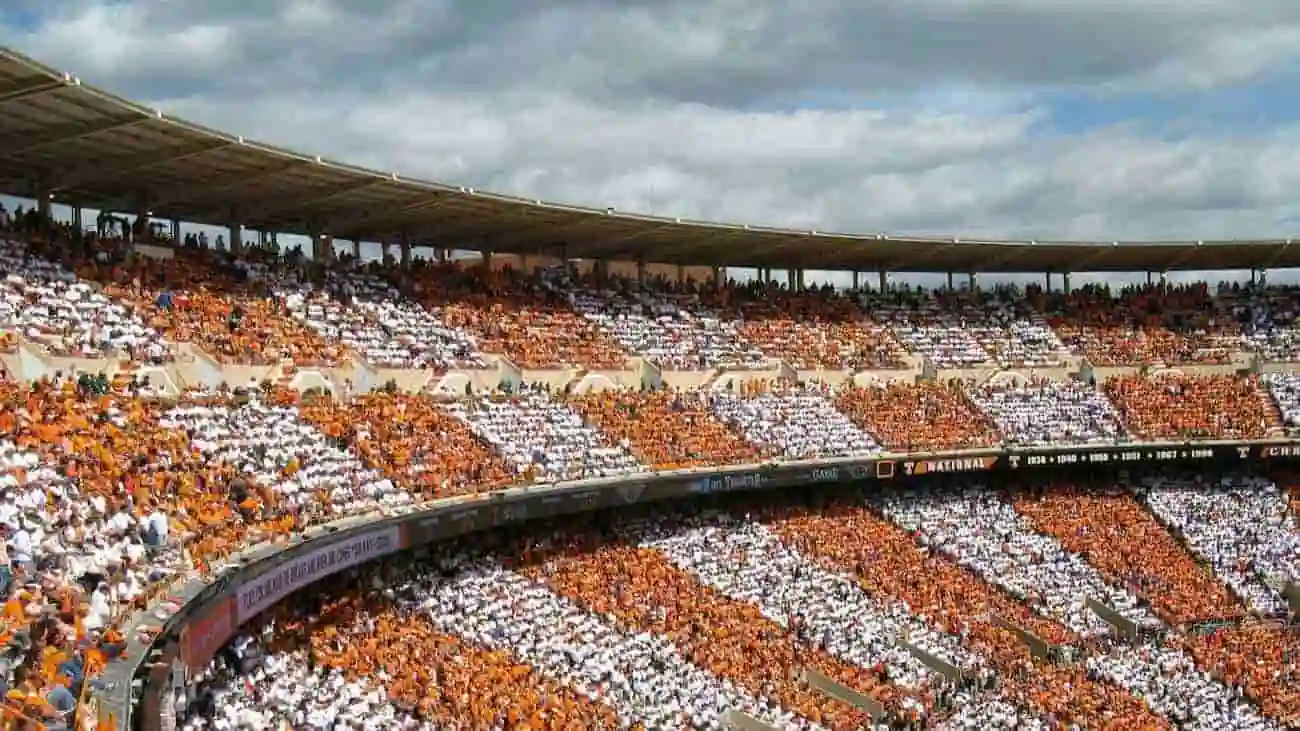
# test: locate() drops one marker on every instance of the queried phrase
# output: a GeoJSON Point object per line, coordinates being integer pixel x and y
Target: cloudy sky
{"type": "Point", "coordinates": [1015, 118]}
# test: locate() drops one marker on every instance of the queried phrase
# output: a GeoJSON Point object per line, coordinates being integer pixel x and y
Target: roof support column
{"type": "Point", "coordinates": [640, 272]}
{"type": "Point", "coordinates": [718, 274]}
{"type": "Point", "coordinates": [77, 213]}
{"type": "Point", "coordinates": [884, 280]}
{"type": "Point", "coordinates": [857, 280]}
{"type": "Point", "coordinates": [176, 231]}
{"type": "Point", "coordinates": [949, 281]}
{"type": "Point", "coordinates": [141, 229]}
{"type": "Point", "coordinates": [356, 249]}
{"type": "Point", "coordinates": [1263, 277]}
{"type": "Point", "coordinates": [792, 279]}
{"type": "Point", "coordinates": [1047, 281]}
{"type": "Point", "coordinates": [44, 197]}
{"type": "Point", "coordinates": [798, 278]}
{"type": "Point", "coordinates": [385, 251]}
{"type": "Point", "coordinates": [971, 279]}
{"type": "Point", "coordinates": [681, 274]}
{"type": "Point", "coordinates": [1065, 282]}
{"type": "Point", "coordinates": [236, 238]}
{"type": "Point", "coordinates": [322, 247]}
{"type": "Point", "coordinates": [1148, 279]}
{"type": "Point", "coordinates": [404, 250]}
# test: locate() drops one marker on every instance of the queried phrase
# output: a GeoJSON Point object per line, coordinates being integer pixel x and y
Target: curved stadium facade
{"type": "Point", "coordinates": [1029, 509]}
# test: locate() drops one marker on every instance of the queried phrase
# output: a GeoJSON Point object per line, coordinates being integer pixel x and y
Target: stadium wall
{"type": "Point", "coordinates": [184, 632]}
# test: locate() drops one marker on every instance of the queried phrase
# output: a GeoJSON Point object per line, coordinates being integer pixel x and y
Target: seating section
{"type": "Point", "coordinates": [886, 562]}
{"type": "Point", "coordinates": [1152, 325]}
{"type": "Point", "coordinates": [531, 322]}
{"type": "Point", "coordinates": [47, 304]}
{"type": "Point", "coordinates": [1176, 406]}
{"type": "Point", "coordinates": [449, 315]}
{"type": "Point", "coordinates": [1131, 548]}
{"type": "Point", "coordinates": [227, 309]}
{"type": "Point", "coordinates": [1242, 527]}
{"type": "Point", "coordinates": [666, 430]}
{"type": "Point", "coordinates": [1042, 412]}
{"type": "Point", "coordinates": [544, 439]}
{"type": "Point", "coordinates": [271, 445]}
{"type": "Point", "coordinates": [1267, 317]}
{"type": "Point", "coordinates": [671, 328]}
{"type": "Point", "coordinates": [1128, 544]}
{"type": "Point", "coordinates": [413, 440]}
{"type": "Point", "coordinates": [982, 532]}
{"type": "Point", "coordinates": [961, 330]}
{"type": "Point", "coordinates": [921, 417]}
{"type": "Point", "coordinates": [1285, 390]}
{"type": "Point", "coordinates": [793, 422]}
{"type": "Point", "coordinates": [811, 329]}
{"type": "Point", "coordinates": [370, 317]}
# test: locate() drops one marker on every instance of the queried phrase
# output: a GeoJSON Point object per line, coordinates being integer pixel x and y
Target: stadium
{"type": "Point", "coordinates": [584, 481]}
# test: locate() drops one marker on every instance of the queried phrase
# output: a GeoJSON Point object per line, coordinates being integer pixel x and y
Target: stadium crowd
{"type": "Point", "coordinates": [110, 492]}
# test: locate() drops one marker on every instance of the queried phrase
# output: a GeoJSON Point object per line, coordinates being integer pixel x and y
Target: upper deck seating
{"type": "Point", "coordinates": [226, 307]}
{"type": "Point", "coordinates": [1267, 317]}
{"type": "Point", "coordinates": [371, 317]}
{"type": "Point", "coordinates": [811, 329]}
{"type": "Point", "coordinates": [963, 330]}
{"type": "Point", "coordinates": [667, 324]}
{"type": "Point", "coordinates": [47, 303]}
{"type": "Point", "coordinates": [1155, 324]}
{"type": "Point", "coordinates": [520, 317]}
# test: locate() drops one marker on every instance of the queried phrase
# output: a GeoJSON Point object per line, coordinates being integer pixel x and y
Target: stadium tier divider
{"type": "Point", "coordinates": [741, 721]}
{"type": "Point", "coordinates": [1292, 594]}
{"type": "Point", "coordinates": [949, 671]}
{"type": "Point", "coordinates": [1038, 647]}
{"type": "Point", "coordinates": [841, 692]}
{"type": "Point", "coordinates": [1122, 625]}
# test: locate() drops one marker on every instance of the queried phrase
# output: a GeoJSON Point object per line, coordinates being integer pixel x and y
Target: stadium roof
{"type": "Point", "coordinates": [97, 150]}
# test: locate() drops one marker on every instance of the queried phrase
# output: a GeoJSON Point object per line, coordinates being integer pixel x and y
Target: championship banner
{"type": "Point", "coordinates": [1125, 455]}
